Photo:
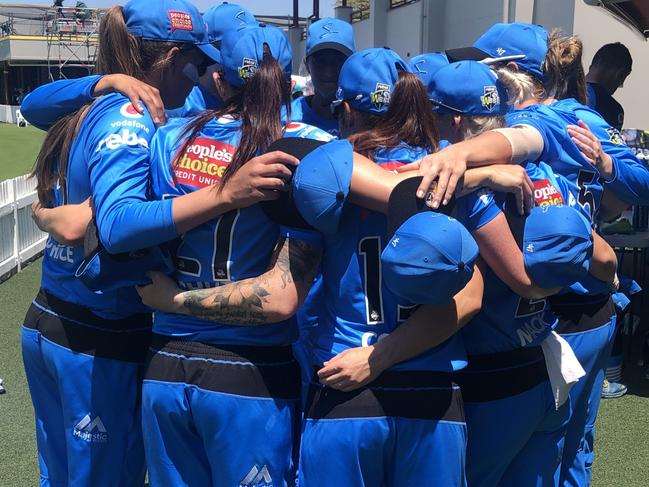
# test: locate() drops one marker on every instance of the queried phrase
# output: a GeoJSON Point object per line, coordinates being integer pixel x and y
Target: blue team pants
{"type": "Point", "coordinates": [515, 433]}
{"type": "Point", "coordinates": [385, 435]}
{"type": "Point", "coordinates": [220, 416]}
{"type": "Point", "coordinates": [592, 348]}
{"type": "Point", "coordinates": [87, 406]}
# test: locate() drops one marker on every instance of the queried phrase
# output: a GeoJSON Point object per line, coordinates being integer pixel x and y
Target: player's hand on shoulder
{"type": "Point", "coordinates": [260, 179]}
{"type": "Point", "coordinates": [162, 294]}
{"type": "Point", "coordinates": [136, 91]}
{"type": "Point", "coordinates": [591, 148]}
{"type": "Point", "coordinates": [350, 369]}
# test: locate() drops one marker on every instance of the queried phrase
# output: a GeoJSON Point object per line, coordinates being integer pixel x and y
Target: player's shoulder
{"type": "Point", "coordinates": [115, 114]}
{"type": "Point", "coordinates": [402, 153]}
{"type": "Point", "coordinates": [306, 131]}
{"type": "Point", "coordinates": [298, 108]}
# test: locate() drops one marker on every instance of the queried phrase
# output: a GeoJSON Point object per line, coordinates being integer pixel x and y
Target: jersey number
{"type": "Point", "coordinates": [584, 178]}
{"type": "Point", "coordinates": [222, 254]}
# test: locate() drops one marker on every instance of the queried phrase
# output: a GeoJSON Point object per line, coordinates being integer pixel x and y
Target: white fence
{"type": "Point", "coordinates": [20, 238]}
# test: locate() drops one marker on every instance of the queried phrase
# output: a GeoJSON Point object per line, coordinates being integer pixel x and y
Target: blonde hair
{"type": "Point", "coordinates": [472, 126]}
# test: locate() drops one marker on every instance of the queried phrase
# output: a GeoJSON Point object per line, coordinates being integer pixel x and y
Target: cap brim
{"type": "Point", "coordinates": [211, 52]}
{"type": "Point", "coordinates": [330, 45]}
{"type": "Point", "coordinates": [469, 53]}
{"type": "Point", "coordinates": [403, 204]}
{"type": "Point", "coordinates": [282, 210]}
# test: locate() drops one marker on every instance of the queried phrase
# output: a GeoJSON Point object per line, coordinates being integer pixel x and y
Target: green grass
{"type": "Point", "coordinates": [622, 454]}
{"type": "Point", "coordinates": [19, 147]}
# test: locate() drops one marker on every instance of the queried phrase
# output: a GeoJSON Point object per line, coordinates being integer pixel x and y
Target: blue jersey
{"type": "Point", "coordinates": [109, 160]}
{"type": "Point", "coordinates": [358, 308]}
{"type": "Point", "coordinates": [196, 103]}
{"type": "Point", "coordinates": [508, 321]}
{"type": "Point", "coordinates": [561, 153]}
{"type": "Point", "coordinates": [236, 246]}
{"type": "Point", "coordinates": [302, 112]}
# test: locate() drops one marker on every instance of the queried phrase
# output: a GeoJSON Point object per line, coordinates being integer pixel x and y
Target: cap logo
{"type": "Point", "coordinates": [339, 93]}
{"type": "Point", "coordinates": [490, 98]}
{"type": "Point", "coordinates": [329, 30]}
{"type": "Point", "coordinates": [418, 65]}
{"type": "Point", "coordinates": [248, 68]}
{"type": "Point", "coordinates": [180, 20]}
{"type": "Point", "coordinates": [380, 97]}
{"type": "Point", "coordinates": [500, 51]}
{"type": "Point", "coordinates": [241, 16]}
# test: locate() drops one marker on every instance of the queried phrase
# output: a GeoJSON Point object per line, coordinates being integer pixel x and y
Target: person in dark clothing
{"type": "Point", "coordinates": [610, 67]}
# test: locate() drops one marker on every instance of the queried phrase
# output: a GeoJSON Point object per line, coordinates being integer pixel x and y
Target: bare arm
{"type": "Point", "coordinates": [604, 263]}
{"type": "Point", "coordinates": [66, 224]}
{"type": "Point", "coordinates": [428, 327]}
{"type": "Point", "coordinates": [269, 298]}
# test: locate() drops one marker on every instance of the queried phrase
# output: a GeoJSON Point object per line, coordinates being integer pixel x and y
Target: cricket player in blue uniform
{"type": "Point", "coordinates": [329, 42]}
{"type": "Point", "coordinates": [83, 352]}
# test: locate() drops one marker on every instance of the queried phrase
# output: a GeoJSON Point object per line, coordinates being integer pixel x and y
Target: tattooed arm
{"type": "Point", "coordinates": [269, 298]}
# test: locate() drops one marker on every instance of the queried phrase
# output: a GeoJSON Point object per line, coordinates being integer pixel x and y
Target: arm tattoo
{"type": "Point", "coordinates": [246, 302]}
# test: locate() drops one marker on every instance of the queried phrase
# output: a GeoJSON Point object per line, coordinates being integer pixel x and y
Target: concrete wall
{"type": "Point", "coordinates": [404, 29]}
{"type": "Point", "coordinates": [363, 34]}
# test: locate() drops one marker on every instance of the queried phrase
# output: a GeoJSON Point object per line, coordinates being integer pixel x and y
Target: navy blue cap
{"type": "Point", "coordinates": [170, 21]}
{"type": "Point", "coordinates": [429, 259]}
{"type": "Point", "coordinates": [524, 44]}
{"type": "Point", "coordinates": [329, 33]}
{"type": "Point", "coordinates": [426, 65]}
{"type": "Point", "coordinates": [321, 184]}
{"type": "Point", "coordinates": [242, 51]}
{"type": "Point", "coordinates": [557, 245]}
{"type": "Point", "coordinates": [470, 88]}
{"type": "Point", "coordinates": [226, 17]}
{"type": "Point", "coordinates": [367, 79]}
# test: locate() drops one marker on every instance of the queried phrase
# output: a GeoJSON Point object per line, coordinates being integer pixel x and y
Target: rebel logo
{"type": "Point", "coordinates": [203, 163]}
{"type": "Point", "coordinates": [180, 20]}
{"type": "Point", "coordinates": [129, 111]}
{"type": "Point", "coordinates": [546, 194]}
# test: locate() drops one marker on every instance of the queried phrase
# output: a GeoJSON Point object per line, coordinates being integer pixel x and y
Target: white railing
{"type": "Point", "coordinates": [20, 238]}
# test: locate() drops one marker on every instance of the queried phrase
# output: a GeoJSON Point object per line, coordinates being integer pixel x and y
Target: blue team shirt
{"type": "Point", "coordinates": [236, 246]}
{"type": "Point", "coordinates": [109, 160]}
{"type": "Point", "coordinates": [302, 112]}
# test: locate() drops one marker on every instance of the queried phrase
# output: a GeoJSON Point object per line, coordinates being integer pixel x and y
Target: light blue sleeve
{"type": "Point", "coordinates": [119, 174]}
{"type": "Point", "coordinates": [48, 103]}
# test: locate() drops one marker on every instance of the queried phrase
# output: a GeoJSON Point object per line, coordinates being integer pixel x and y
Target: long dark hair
{"type": "Point", "coordinates": [409, 120]}
{"type": "Point", "coordinates": [259, 107]}
{"type": "Point", "coordinates": [119, 52]}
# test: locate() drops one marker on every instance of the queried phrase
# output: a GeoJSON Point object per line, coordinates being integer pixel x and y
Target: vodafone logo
{"type": "Point", "coordinates": [203, 163]}
{"type": "Point", "coordinates": [546, 194]}
{"type": "Point", "coordinates": [129, 111]}
{"type": "Point", "coordinates": [294, 126]}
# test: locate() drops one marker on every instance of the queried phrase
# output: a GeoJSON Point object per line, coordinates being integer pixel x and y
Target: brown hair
{"type": "Point", "coordinates": [259, 107]}
{"type": "Point", "coordinates": [409, 119]}
{"type": "Point", "coordinates": [563, 67]}
{"type": "Point", "coordinates": [119, 52]}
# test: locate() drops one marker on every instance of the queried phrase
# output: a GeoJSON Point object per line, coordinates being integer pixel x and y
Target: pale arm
{"type": "Point", "coordinates": [66, 224]}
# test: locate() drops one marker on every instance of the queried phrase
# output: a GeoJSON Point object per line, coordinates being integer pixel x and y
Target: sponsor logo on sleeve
{"type": "Point", "coordinates": [545, 194]}
{"type": "Point", "coordinates": [180, 20]}
{"type": "Point", "coordinates": [380, 97]}
{"type": "Point", "coordinates": [615, 136]}
{"type": "Point", "coordinates": [203, 163]}
{"type": "Point", "coordinates": [129, 111]}
{"type": "Point", "coordinates": [122, 138]}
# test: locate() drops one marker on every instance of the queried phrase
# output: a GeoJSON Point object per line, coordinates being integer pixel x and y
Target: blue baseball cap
{"type": "Point", "coordinates": [426, 65]}
{"type": "Point", "coordinates": [524, 44]}
{"type": "Point", "coordinates": [429, 259]}
{"type": "Point", "coordinates": [330, 33]}
{"type": "Point", "coordinates": [226, 17]}
{"type": "Point", "coordinates": [557, 245]}
{"type": "Point", "coordinates": [169, 21]}
{"type": "Point", "coordinates": [242, 51]}
{"type": "Point", "coordinates": [321, 184]}
{"type": "Point", "coordinates": [367, 79]}
{"type": "Point", "coordinates": [468, 87]}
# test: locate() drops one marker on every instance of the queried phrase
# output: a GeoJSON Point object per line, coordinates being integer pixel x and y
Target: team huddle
{"type": "Point", "coordinates": [393, 281]}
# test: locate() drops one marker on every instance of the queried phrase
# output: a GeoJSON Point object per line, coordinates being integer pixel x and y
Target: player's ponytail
{"type": "Point", "coordinates": [563, 67]}
{"type": "Point", "coordinates": [409, 119]}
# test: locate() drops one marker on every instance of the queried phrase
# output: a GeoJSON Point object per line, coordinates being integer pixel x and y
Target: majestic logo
{"type": "Point", "coordinates": [180, 20]}
{"type": "Point", "coordinates": [248, 68]}
{"type": "Point", "coordinates": [257, 477]}
{"type": "Point", "coordinates": [203, 163]}
{"type": "Point", "coordinates": [490, 98]}
{"type": "Point", "coordinates": [500, 51]}
{"type": "Point", "coordinates": [329, 30]}
{"type": "Point", "coordinates": [615, 136]}
{"type": "Point", "coordinates": [545, 194]}
{"type": "Point", "coordinates": [124, 137]}
{"type": "Point", "coordinates": [129, 111]}
{"type": "Point", "coordinates": [91, 430]}
{"type": "Point", "coordinates": [380, 97]}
